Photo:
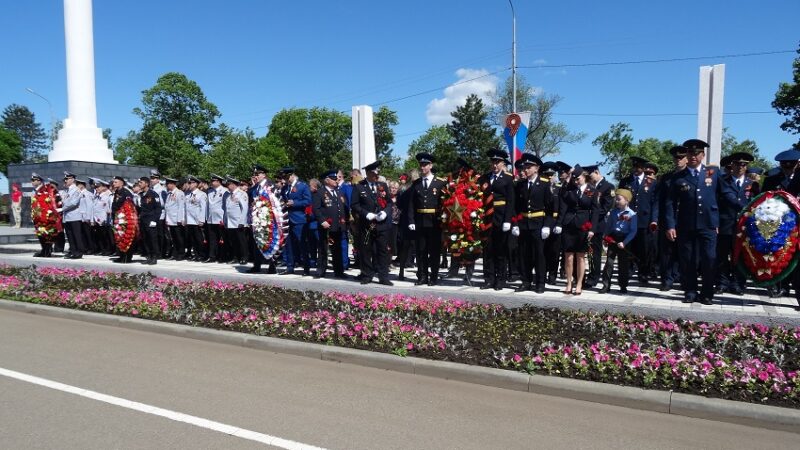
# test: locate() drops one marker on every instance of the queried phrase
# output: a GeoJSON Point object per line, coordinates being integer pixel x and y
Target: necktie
{"type": "Point", "coordinates": [739, 183]}
{"type": "Point", "coordinates": [425, 183]}
{"type": "Point", "coordinates": [372, 186]}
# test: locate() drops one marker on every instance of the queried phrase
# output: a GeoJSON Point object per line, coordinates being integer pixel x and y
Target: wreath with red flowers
{"type": "Point", "coordinates": [462, 217]}
{"type": "Point", "coordinates": [46, 220]}
{"type": "Point", "coordinates": [766, 251]}
{"type": "Point", "coordinates": [126, 225]}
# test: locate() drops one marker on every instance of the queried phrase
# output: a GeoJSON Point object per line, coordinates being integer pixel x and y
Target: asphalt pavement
{"type": "Point", "coordinates": [304, 401]}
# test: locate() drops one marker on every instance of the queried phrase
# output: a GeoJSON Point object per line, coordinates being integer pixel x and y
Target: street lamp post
{"type": "Point", "coordinates": [52, 116]}
{"type": "Point", "coordinates": [513, 58]}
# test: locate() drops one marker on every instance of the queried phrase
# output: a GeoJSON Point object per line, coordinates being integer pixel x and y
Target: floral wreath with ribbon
{"type": "Point", "coordinates": [267, 223]}
{"type": "Point", "coordinates": [126, 225]}
{"type": "Point", "coordinates": [462, 216]}
{"type": "Point", "coordinates": [767, 238]}
{"type": "Point", "coordinates": [46, 220]}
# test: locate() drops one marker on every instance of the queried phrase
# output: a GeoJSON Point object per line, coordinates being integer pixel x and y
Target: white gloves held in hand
{"type": "Point", "coordinates": [152, 224]}
{"type": "Point", "coordinates": [381, 216]}
{"type": "Point", "coordinates": [557, 230]}
{"type": "Point", "coordinates": [412, 227]}
{"type": "Point", "coordinates": [515, 231]}
{"type": "Point", "coordinates": [371, 216]}
{"type": "Point", "coordinates": [506, 226]}
{"type": "Point", "coordinates": [545, 232]}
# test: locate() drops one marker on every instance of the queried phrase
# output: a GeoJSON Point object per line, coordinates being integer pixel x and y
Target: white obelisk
{"type": "Point", "coordinates": [363, 137]}
{"type": "Point", "coordinates": [80, 139]}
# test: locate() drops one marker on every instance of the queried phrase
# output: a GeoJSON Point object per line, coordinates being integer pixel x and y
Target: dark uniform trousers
{"type": "Point", "coordinates": [329, 240]}
{"type": "Point", "coordinates": [429, 251]}
{"type": "Point", "coordinates": [531, 252]}
{"type": "Point", "coordinates": [215, 233]}
{"type": "Point", "coordinates": [728, 277]}
{"type": "Point", "coordinates": [644, 247]}
{"type": "Point", "coordinates": [696, 247]}
{"type": "Point", "coordinates": [623, 259]}
{"type": "Point", "coordinates": [668, 260]}
{"type": "Point", "coordinates": [196, 238]}
{"type": "Point", "coordinates": [74, 232]}
{"type": "Point", "coordinates": [149, 239]}
{"type": "Point", "coordinates": [495, 256]}
{"type": "Point", "coordinates": [176, 233]}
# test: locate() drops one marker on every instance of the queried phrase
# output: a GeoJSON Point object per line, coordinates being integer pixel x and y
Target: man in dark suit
{"type": "Point", "coordinates": [371, 203]}
{"type": "Point", "coordinates": [498, 188]}
{"type": "Point", "coordinates": [668, 250]}
{"type": "Point", "coordinates": [534, 212]}
{"type": "Point", "coordinates": [423, 211]}
{"type": "Point", "coordinates": [692, 215]}
{"type": "Point", "coordinates": [643, 187]}
{"type": "Point", "coordinates": [738, 190]}
{"type": "Point", "coordinates": [296, 196]}
{"type": "Point", "coordinates": [332, 213]}
{"type": "Point", "coordinates": [606, 194]}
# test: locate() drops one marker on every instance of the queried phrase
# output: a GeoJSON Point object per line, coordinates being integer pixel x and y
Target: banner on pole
{"type": "Point", "coordinates": [516, 134]}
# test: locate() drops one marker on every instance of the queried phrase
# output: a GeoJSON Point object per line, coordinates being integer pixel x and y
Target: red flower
{"type": "Point", "coordinates": [586, 227]}
{"type": "Point", "coordinates": [609, 240]}
{"type": "Point", "coordinates": [709, 172]}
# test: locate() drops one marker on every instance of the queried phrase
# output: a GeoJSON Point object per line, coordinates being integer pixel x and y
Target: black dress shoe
{"type": "Point", "coordinates": [623, 290]}
{"type": "Point", "coordinates": [523, 288]}
{"type": "Point", "coordinates": [420, 282]}
{"type": "Point", "coordinates": [152, 262]}
{"type": "Point", "coordinates": [38, 255]}
{"type": "Point", "coordinates": [271, 271]}
{"type": "Point", "coordinates": [539, 289]}
{"type": "Point", "coordinates": [719, 290]}
{"type": "Point", "coordinates": [253, 270]}
{"type": "Point", "coordinates": [737, 291]}
{"type": "Point", "coordinates": [366, 281]}
{"type": "Point", "coordinates": [551, 279]}
{"type": "Point", "coordinates": [605, 289]}
{"type": "Point", "coordinates": [287, 272]}
{"type": "Point", "coordinates": [432, 282]}
{"type": "Point", "coordinates": [665, 287]}
{"type": "Point", "coordinates": [689, 298]}
{"type": "Point", "coordinates": [386, 283]}
{"type": "Point", "coordinates": [704, 300]}
{"type": "Point", "coordinates": [487, 286]}
{"type": "Point", "coordinates": [500, 285]}
{"type": "Point", "coordinates": [317, 276]}
{"type": "Point", "coordinates": [75, 257]}
{"type": "Point", "coordinates": [341, 276]}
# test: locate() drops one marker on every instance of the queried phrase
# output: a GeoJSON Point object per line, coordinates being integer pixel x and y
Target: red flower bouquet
{"type": "Point", "coordinates": [126, 225]}
{"type": "Point", "coordinates": [586, 227]}
{"type": "Point", "coordinates": [46, 221]}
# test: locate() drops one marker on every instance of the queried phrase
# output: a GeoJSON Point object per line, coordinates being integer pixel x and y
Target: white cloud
{"type": "Point", "coordinates": [439, 109]}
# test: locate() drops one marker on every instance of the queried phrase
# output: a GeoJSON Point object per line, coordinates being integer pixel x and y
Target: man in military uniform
{"type": "Point", "coordinates": [498, 187]}
{"type": "Point", "coordinates": [149, 213]}
{"type": "Point", "coordinates": [175, 218]}
{"type": "Point", "coordinates": [781, 178]}
{"type": "Point", "coordinates": [534, 208]}
{"type": "Point", "coordinates": [692, 215]}
{"type": "Point", "coordinates": [296, 196]}
{"type": "Point", "coordinates": [73, 218]}
{"type": "Point", "coordinates": [422, 212]}
{"type": "Point", "coordinates": [215, 225]}
{"type": "Point", "coordinates": [371, 203]}
{"type": "Point", "coordinates": [196, 213]}
{"type": "Point", "coordinates": [668, 249]}
{"type": "Point", "coordinates": [260, 183]}
{"type": "Point", "coordinates": [644, 202]}
{"type": "Point", "coordinates": [737, 193]}
{"type": "Point", "coordinates": [236, 208]}
{"type": "Point", "coordinates": [164, 238]}
{"type": "Point", "coordinates": [121, 194]}
{"type": "Point", "coordinates": [100, 218]}
{"type": "Point", "coordinates": [606, 194]}
{"type": "Point", "coordinates": [332, 214]}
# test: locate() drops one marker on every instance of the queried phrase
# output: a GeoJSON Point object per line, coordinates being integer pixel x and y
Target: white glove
{"type": "Point", "coordinates": [412, 227]}
{"type": "Point", "coordinates": [371, 216]}
{"type": "Point", "coordinates": [381, 216]}
{"type": "Point", "coordinates": [515, 231]}
{"type": "Point", "coordinates": [58, 210]}
{"type": "Point", "coordinates": [545, 232]}
{"type": "Point", "coordinates": [152, 224]}
{"type": "Point", "coordinates": [557, 230]}
{"type": "Point", "coordinates": [506, 226]}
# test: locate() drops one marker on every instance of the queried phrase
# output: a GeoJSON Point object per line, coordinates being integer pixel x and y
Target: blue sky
{"type": "Point", "coordinates": [253, 58]}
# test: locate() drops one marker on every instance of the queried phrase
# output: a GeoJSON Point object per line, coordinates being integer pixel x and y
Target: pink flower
{"type": "Point", "coordinates": [517, 358]}
{"type": "Point", "coordinates": [410, 346]}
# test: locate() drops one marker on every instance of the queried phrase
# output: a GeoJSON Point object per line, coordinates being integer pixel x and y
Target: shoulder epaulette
{"type": "Point", "coordinates": [441, 179]}
{"type": "Point", "coordinates": [508, 173]}
{"type": "Point", "coordinates": [545, 179]}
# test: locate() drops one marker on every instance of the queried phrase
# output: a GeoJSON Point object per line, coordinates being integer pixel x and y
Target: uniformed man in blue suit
{"type": "Point", "coordinates": [296, 197]}
{"type": "Point", "coordinates": [644, 202]}
{"type": "Point", "coordinates": [692, 216]}
{"type": "Point", "coordinates": [738, 190]}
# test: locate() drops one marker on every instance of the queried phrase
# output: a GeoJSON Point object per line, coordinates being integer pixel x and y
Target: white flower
{"type": "Point", "coordinates": [453, 237]}
{"type": "Point", "coordinates": [473, 214]}
{"type": "Point", "coordinates": [771, 210]}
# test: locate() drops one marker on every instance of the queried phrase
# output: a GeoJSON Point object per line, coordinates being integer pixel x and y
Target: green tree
{"type": "Point", "coordinates": [545, 134]}
{"type": "Point", "coordinates": [22, 121]}
{"type": "Point", "coordinates": [437, 142]}
{"type": "Point", "coordinates": [178, 127]}
{"type": "Point", "coordinates": [235, 152]}
{"type": "Point", "coordinates": [472, 133]}
{"type": "Point", "coordinates": [616, 145]}
{"type": "Point", "coordinates": [383, 122]}
{"type": "Point", "coordinates": [11, 150]}
{"type": "Point", "coordinates": [787, 101]}
{"type": "Point", "coordinates": [315, 139]}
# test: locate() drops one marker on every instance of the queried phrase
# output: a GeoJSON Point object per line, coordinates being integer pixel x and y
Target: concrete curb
{"type": "Point", "coordinates": [771, 417]}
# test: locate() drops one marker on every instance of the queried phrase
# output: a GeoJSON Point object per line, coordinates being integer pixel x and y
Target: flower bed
{"type": "Point", "coordinates": [752, 363]}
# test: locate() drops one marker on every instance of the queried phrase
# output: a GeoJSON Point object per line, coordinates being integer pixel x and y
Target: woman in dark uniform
{"type": "Point", "coordinates": [578, 217]}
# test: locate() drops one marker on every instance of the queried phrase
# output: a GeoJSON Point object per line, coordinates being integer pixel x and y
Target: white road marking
{"type": "Point", "coordinates": [156, 411]}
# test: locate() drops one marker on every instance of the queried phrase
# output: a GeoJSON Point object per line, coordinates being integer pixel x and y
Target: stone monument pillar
{"type": "Point", "coordinates": [363, 137]}
{"type": "Point", "coordinates": [80, 139]}
{"type": "Point", "coordinates": [710, 110]}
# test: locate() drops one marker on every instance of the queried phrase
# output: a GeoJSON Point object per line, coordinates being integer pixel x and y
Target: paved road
{"type": "Point", "coordinates": [753, 307]}
{"type": "Point", "coordinates": [308, 401]}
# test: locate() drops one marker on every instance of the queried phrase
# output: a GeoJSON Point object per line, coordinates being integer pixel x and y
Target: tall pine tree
{"type": "Point", "coordinates": [22, 121]}
{"type": "Point", "coordinates": [472, 132]}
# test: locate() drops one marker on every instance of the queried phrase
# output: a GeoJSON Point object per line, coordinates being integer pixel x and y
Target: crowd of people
{"type": "Point", "coordinates": [552, 220]}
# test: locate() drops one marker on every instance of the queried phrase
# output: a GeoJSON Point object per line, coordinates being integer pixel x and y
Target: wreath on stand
{"type": "Point", "coordinates": [267, 223]}
{"type": "Point", "coordinates": [767, 238]}
{"type": "Point", "coordinates": [462, 217]}
{"type": "Point", "coordinates": [126, 225]}
{"type": "Point", "coordinates": [46, 220]}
